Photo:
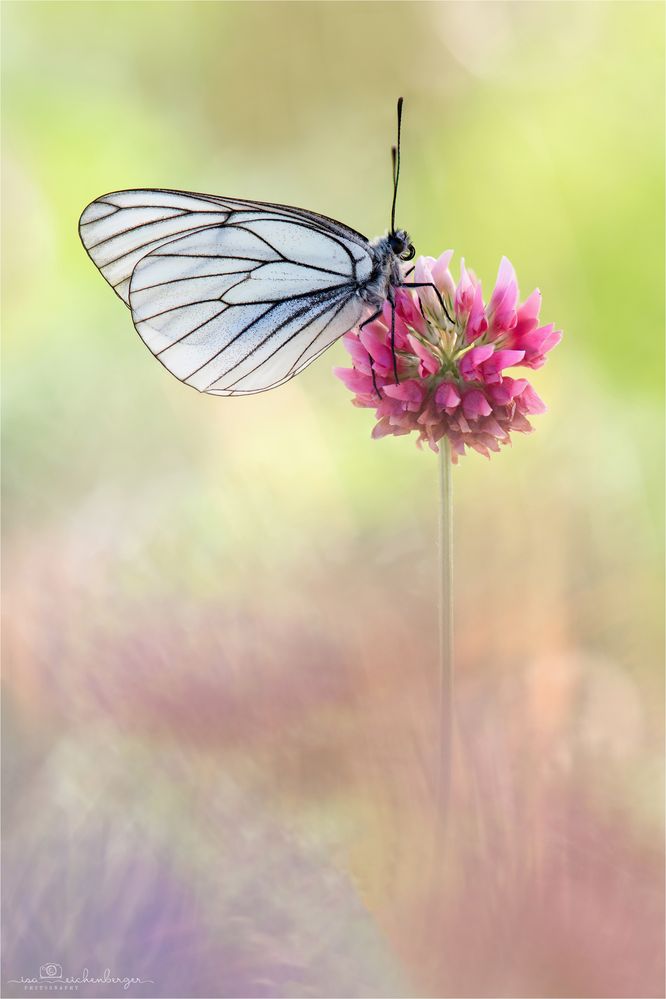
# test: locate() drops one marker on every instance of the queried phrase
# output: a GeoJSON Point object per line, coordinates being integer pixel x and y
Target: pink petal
{"type": "Point", "coordinates": [521, 423]}
{"type": "Point", "coordinates": [423, 268]}
{"type": "Point", "coordinates": [503, 392]}
{"type": "Point", "coordinates": [457, 448]}
{"type": "Point", "coordinates": [503, 301]}
{"type": "Point", "coordinates": [442, 276]}
{"type": "Point", "coordinates": [469, 304]}
{"type": "Point", "coordinates": [491, 426]}
{"type": "Point", "coordinates": [407, 309]}
{"type": "Point", "coordinates": [389, 407]}
{"type": "Point", "coordinates": [381, 429]}
{"type": "Point", "coordinates": [429, 365]}
{"type": "Point", "coordinates": [470, 361]}
{"type": "Point", "coordinates": [401, 332]}
{"type": "Point", "coordinates": [358, 353]}
{"type": "Point", "coordinates": [355, 381]}
{"type": "Point", "coordinates": [537, 343]}
{"type": "Point", "coordinates": [409, 392]}
{"type": "Point", "coordinates": [478, 446]}
{"type": "Point", "coordinates": [505, 283]}
{"type": "Point", "coordinates": [528, 314]}
{"type": "Point", "coordinates": [477, 324]}
{"type": "Point", "coordinates": [551, 340]}
{"type": "Point", "coordinates": [429, 416]}
{"type": "Point", "coordinates": [465, 291]}
{"type": "Point", "coordinates": [424, 274]}
{"type": "Point", "coordinates": [474, 404]}
{"type": "Point", "coordinates": [501, 359]}
{"type": "Point", "coordinates": [373, 338]}
{"type": "Point", "coordinates": [447, 396]}
{"type": "Point", "coordinates": [529, 402]}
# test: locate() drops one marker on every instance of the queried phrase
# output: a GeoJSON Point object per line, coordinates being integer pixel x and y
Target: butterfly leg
{"type": "Point", "coordinates": [429, 284]}
{"type": "Point", "coordinates": [395, 359]}
{"type": "Point", "coordinates": [374, 377]}
{"type": "Point", "coordinates": [370, 319]}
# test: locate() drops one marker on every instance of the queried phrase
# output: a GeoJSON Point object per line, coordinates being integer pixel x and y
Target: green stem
{"type": "Point", "coordinates": [445, 632]}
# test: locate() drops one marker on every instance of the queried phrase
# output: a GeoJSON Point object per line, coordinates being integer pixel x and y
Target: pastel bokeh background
{"type": "Point", "coordinates": [220, 615]}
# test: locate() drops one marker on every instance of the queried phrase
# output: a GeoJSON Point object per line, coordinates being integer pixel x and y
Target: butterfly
{"type": "Point", "coordinates": [236, 297]}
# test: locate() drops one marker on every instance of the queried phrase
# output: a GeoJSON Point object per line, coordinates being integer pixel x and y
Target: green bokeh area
{"type": "Point", "coordinates": [230, 605]}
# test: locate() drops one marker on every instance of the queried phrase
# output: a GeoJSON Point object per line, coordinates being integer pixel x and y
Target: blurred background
{"type": "Point", "coordinates": [220, 635]}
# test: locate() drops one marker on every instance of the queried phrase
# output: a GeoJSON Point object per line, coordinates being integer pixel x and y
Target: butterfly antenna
{"type": "Point", "coordinates": [395, 155]}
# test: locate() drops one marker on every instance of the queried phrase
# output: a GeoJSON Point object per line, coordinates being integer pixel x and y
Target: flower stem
{"type": "Point", "coordinates": [445, 633]}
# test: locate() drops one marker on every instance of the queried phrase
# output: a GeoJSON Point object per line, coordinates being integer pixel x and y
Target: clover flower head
{"type": "Point", "coordinates": [451, 351]}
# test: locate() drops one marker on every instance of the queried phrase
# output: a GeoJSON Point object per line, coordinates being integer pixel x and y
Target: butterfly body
{"type": "Point", "coordinates": [388, 252]}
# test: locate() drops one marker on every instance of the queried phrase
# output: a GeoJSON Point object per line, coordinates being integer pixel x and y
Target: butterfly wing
{"type": "Point", "coordinates": [233, 297]}
{"type": "Point", "coordinates": [118, 229]}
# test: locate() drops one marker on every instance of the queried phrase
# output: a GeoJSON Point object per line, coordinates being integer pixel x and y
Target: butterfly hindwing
{"type": "Point", "coordinates": [226, 313]}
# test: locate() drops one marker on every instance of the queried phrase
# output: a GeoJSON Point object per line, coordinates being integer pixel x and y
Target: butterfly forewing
{"type": "Point", "coordinates": [119, 229]}
{"type": "Point", "coordinates": [233, 297]}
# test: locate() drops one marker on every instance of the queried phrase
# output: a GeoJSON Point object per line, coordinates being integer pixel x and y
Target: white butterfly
{"type": "Point", "coordinates": [235, 296]}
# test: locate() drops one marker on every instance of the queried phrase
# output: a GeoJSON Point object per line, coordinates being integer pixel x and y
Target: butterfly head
{"type": "Point", "coordinates": [401, 244]}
